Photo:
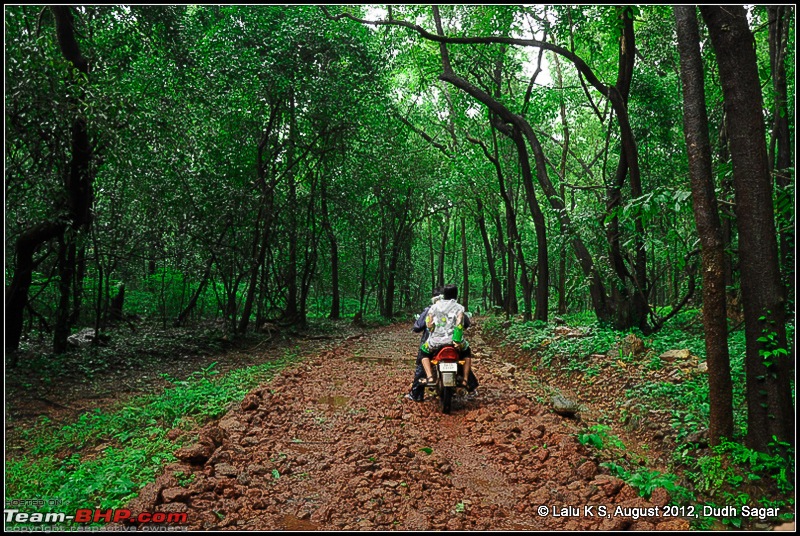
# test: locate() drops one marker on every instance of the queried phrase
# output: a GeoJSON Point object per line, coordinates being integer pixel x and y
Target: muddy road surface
{"type": "Point", "coordinates": [332, 444]}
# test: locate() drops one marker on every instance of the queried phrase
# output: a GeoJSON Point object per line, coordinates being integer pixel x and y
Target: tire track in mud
{"type": "Point", "coordinates": [331, 444]}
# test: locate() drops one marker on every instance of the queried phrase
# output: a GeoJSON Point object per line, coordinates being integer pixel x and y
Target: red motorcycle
{"type": "Point", "coordinates": [448, 371]}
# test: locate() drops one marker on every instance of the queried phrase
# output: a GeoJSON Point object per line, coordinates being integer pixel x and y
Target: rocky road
{"type": "Point", "coordinates": [332, 444]}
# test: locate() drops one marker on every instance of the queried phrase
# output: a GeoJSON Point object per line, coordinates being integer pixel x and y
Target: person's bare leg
{"type": "Point", "coordinates": [426, 365]}
{"type": "Point", "coordinates": [467, 368]}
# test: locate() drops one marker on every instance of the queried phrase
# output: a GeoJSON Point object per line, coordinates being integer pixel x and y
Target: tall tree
{"type": "Point", "coordinates": [779, 21]}
{"type": "Point", "coordinates": [767, 363]}
{"type": "Point", "coordinates": [698, 147]}
{"type": "Point", "coordinates": [77, 215]}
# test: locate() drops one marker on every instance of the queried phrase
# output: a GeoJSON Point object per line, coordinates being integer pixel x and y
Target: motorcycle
{"type": "Point", "coordinates": [448, 371]}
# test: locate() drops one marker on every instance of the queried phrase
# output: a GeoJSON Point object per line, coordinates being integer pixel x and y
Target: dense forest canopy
{"type": "Point", "coordinates": [259, 164]}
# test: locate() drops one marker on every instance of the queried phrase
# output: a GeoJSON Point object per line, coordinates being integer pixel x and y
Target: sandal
{"type": "Point", "coordinates": [429, 382]}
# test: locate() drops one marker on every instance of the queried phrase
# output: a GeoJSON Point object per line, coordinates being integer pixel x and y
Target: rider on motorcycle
{"type": "Point", "coordinates": [445, 317]}
{"type": "Point", "coordinates": [417, 392]}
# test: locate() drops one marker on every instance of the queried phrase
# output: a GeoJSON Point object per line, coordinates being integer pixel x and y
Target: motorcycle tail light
{"type": "Point", "coordinates": [447, 354]}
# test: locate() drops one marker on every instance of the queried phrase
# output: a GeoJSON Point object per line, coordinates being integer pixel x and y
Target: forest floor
{"type": "Point", "coordinates": [332, 444]}
{"type": "Point", "coordinates": [140, 362]}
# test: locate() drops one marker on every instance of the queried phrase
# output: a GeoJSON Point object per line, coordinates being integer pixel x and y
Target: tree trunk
{"type": "Point", "coordinates": [262, 234]}
{"type": "Point", "coordinates": [709, 228]}
{"type": "Point", "coordinates": [196, 296]}
{"type": "Point", "coordinates": [326, 223]}
{"type": "Point", "coordinates": [496, 290]}
{"type": "Point", "coordinates": [464, 265]}
{"type": "Point", "coordinates": [62, 327]}
{"type": "Point", "coordinates": [440, 267]}
{"type": "Point", "coordinates": [407, 273]}
{"type": "Point", "coordinates": [767, 365]}
{"type": "Point", "coordinates": [257, 259]}
{"type": "Point", "coordinates": [362, 292]}
{"type": "Point", "coordinates": [602, 308]}
{"type": "Point", "coordinates": [508, 267]}
{"type": "Point", "coordinates": [310, 246]}
{"type": "Point", "coordinates": [501, 254]}
{"type": "Point", "coordinates": [115, 310]}
{"type": "Point", "coordinates": [629, 161]}
{"type": "Point", "coordinates": [562, 253]}
{"type": "Point", "coordinates": [291, 311]}
{"type": "Point", "coordinates": [431, 254]}
{"type": "Point", "coordinates": [733, 292]}
{"type": "Point", "coordinates": [527, 286]}
{"type": "Point", "coordinates": [384, 244]}
{"type": "Point", "coordinates": [391, 280]}
{"type": "Point", "coordinates": [510, 304]}
{"type": "Point", "coordinates": [77, 287]}
{"type": "Point", "coordinates": [630, 303]}
{"type": "Point", "coordinates": [401, 234]}
{"type": "Point", "coordinates": [78, 182]}
{"type": "Point", "coordinates": [779, 24]}
{"type": "Point", "coordinates": [543, 265]}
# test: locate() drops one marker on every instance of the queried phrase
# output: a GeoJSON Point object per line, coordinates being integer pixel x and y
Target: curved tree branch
{"type": "Point", "coordinates": [579, 63]}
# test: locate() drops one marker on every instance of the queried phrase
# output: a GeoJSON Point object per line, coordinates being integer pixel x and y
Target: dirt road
{"type": "Point", "coordinates": [333, 445]}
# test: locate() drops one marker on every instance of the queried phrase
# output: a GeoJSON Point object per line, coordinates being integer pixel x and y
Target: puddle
{"type": "Point", "coordinates": [334, 401]}
{"type": "Point", "coordinates": [291, 522]}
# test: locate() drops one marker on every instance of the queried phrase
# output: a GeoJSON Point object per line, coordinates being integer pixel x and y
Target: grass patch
{"type": "Point", "coordinates": [62, 465]}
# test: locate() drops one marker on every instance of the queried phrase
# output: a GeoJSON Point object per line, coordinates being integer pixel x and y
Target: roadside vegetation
{"type": "Point", "coordinates": [729, 474]}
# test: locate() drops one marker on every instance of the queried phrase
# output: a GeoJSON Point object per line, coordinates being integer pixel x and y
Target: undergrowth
{"type": "Point", "coordinates": [104, 458]}
{"type": "Point", "coordinates": [727, 475]}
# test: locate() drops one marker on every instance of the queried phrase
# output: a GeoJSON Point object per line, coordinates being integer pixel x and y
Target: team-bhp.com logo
{"type": "Point", "coordinates": [87, 515]}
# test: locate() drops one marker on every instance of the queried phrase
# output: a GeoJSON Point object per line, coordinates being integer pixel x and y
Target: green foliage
{"type": "Point", "coordinates": [734, 475]}
{"type": "Point", "coordinates": [180, 120]}
{"type": "Point", "coordinates": [183, 479]}
{"type": "Point", "coordinates": [641, 478]}
{"type": "Point", "coordinates": [646, 481]}
{"type": "Point", "coordinates": [731, 476]}
{"type": "Point", "coordinates": [107, 480]}
{"type": "Point", "coordinates": [732, 464]}
{"type": "Point", "coordinates": [598, 437]}
{"type": "Point", "coordinates": [772, 348]}
{"type": "Point", "coordinates": [687, 400]}
{"type": "Point", "coordinates": [219, 133]}
{"type": "Point", "coordinates": [134, 436]}
{"type": "Point", "coordinates": [540, 338]}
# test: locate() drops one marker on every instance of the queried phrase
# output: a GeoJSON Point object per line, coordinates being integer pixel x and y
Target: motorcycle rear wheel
{"type": "Point", "coordinates": [446, 398]}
